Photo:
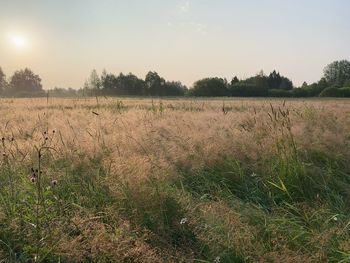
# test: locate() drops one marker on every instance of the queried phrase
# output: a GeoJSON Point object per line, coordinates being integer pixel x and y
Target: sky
{"type": "Point", "coordinates": [183, 40]}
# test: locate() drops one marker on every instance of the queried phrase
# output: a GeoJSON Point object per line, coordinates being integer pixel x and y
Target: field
{"type": "Point", "coordinates": [174, 180]}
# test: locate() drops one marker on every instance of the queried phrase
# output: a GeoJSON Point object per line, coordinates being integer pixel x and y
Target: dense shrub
{"type": "Point", "coordinates": [279, 93]}
{"type": "Point", "coordinates": [210, 87]}
{"type": "Point", "coordinates": [335, 92]}
{"type": "Point", "coordinates": [248, 90]}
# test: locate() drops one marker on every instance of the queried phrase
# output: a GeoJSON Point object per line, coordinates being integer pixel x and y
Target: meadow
{"type": "Point", "coordinates": [174, 180]}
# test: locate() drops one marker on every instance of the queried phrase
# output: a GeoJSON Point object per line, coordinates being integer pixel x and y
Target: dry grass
{"type": "Point", "coordinates": [128, 170]}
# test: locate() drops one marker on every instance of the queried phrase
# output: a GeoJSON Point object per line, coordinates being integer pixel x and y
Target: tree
{"type": "Point", "coordinates": [276, 81]}
{"type": "Point", "coordinates": [234, 80]}
{"type": "Point", "coordinates": [154, 84]}
{"type": "Point", "coordinates": [129, 85]}
{"type": "Point", "coordinates": [260, 81]}
{"type": "Point", "coordinates": [347, 83]}
{"type": "Point", "coordinates": [109, 84]}
{"type": "Point", "coordinates": [94, 81]}
{"type": "Point", "coordinates": [175, 88]}
{"type": "Point", "coordinates": [331, 92]}
{"type": "Point", "coordinates": [247, 89]}
{"type": "Point", "coordinates": [279, 93]}
{"type": "Point", "coordinates": [285, 84]}
{"type": "Point", "coordinates": [256, 86]}
{"type": "Point", "coordinates": [122, 84]}
{"type": "Point", "coordinates": [25, 83]}
{"type": "Point", "coordinates": [303, 91]}
{"type": "Point", "coordinates": [210, 87]}
{"type": "Point", "coordinates": [338, 72]}
{"type": "Point", "coordinates": [103, 76]}
{"type": "Point", "coordinates": [86, 89]}
{"type": "Point", "coordinates": [92, 85]}
{"type": "Point", "coordinates": [317, 88]}
{"type": "Point", "coordinates": [136, 86]}
{"type": "Point", "coordinates": [3, 82]}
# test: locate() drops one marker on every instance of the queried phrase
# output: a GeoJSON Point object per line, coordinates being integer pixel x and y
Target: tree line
{"type": "Point", "coordinates": [131, 85]}
{"type": "Point", "coordinates": [335, 82]}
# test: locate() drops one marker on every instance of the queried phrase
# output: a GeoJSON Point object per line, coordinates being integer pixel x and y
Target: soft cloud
{"type": "Point", "coordinates": [196, 27]}
{"type": "Point", "coordinates": [185, 7]}
{"type": "Point", "coordinates": [187, 20]}
{"type": "Point", "coordinates": [199, 27]}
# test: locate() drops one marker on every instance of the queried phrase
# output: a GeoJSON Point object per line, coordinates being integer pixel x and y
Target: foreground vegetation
{"type": "Point", "coordinates": [110, 180]}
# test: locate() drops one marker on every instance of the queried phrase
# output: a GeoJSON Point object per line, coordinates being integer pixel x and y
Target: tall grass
{"type": "Point", "coordinates": [110, 180]}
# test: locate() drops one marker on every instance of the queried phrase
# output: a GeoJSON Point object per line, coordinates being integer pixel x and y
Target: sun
{"type": "Point", "coordinates": [18, 41]}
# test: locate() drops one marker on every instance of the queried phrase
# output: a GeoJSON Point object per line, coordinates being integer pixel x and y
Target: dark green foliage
{"type": "Point", "coordinates": [279, 93]}
{"type": "Point", "coordinates": [122, 85]}
{"type": "Point", "coordinates": [24, 83]}
{"type": "Point", "coordinates": [335, 92]}
{"type": "Point", "coordinates": [153, 85]}
{"type": "Point", "coordinates": [331, 92]}
{"type": "Point", "coordinates": [248, 89]}
{"type": "Point", "coordinates": [175, 88]}
{"type": "Point", "coordinates": [275, 85]}
{"type": "Point", "coordinates": [345, 91]}
{"type": "Point", "coordinates": [109, 84]}
{"type": "Point", "coordinates": [234, 80]}
{"type": "Point", "coordinates": [338, 73]}
{"type": "Point", "coordinates": [300, 92]}
{"type": "Point", "coordinates": [310, 90]}
{"type": "Point", "coordinates": [257, 86]}
{"type": "Point", "coordinates": [210, 87]}
{"type": "Point", "coordinates": [276, 81]}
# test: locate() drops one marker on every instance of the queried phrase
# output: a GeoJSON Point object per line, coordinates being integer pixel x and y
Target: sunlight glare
{"type": "Point", "coordinates": [18, 41]}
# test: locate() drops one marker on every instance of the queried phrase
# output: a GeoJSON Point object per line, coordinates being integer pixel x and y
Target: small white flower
{"type": "Point", "coordinates": [253, 175]}
{"type": "Point", "coordinates": [217, 259]}
{"type": "Point", "coordinates": [183, 221]}
{"type": "Point", "coordinates": [335, 218]}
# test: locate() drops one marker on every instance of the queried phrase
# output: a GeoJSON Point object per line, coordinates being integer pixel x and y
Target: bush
{"type": "Point", "coordinates": [301, 92]}
{"type": "Point", "coordinates": [279, 93]}
{"type": "Point", "coordinates": [248, 90]}
{"type": "Point", "coordinates": [210, 87]}
{"type": "Point", "coordinates": [335, 92]}
{"type": "Point", "coordinates": [345, 91]}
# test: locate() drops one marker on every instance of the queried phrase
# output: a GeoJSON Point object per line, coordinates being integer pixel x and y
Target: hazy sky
{"type": "Point", "coordinates": [64, 40]}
